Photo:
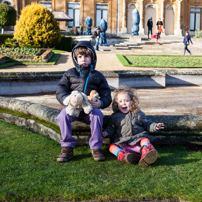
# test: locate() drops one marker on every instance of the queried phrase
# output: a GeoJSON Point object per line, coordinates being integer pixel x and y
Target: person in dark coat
{"type": "Point", "coordinates": [97, 38]}
{"type": "Point", "coordinates": [150, 26]}
{"type": "Point", "coordinates": [83, 78]}
{"type": "Point", "coordinates": [159, 23]}
{"type": "Point", "coordinates": [186, 41]}
{"type": "Point", "coordinates": [75, 30]}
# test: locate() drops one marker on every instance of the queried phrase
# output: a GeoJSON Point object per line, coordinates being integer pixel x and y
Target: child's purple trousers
{"type": "Point", "coordinates": [96, 121]}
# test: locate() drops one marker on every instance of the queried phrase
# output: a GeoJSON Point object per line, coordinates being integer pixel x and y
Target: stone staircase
{"type": "Point", "coordinates": [165, 46]}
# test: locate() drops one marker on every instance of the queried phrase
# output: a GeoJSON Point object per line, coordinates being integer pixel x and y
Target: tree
{"type": "Point", "coordinates": [7, 16]}
{"type": "Point", "coordinates": [37, 28]}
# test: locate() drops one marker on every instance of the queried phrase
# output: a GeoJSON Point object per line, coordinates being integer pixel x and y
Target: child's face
{"type": "Point", "coordinates": [124, 103]}
{"type": "Point", "coordinates": [83, 60]}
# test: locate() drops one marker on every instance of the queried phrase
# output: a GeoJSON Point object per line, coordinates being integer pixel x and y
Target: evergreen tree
{"type": "Point", "coordinates": [7, 16]}
{"type": "Point", "coordinates": [37, 28]}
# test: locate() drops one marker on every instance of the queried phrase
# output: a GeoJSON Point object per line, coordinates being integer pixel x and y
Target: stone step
{"type": "Point", "coordinates": [122, 48]}
{"type": "Point", "coordinates": [121, 45]}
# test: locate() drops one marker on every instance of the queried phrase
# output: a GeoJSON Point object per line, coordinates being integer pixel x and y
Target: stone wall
{"type": "Point", "coordinates": [178, 129]}
{"type": "Point", "coordinates": [40, 82]}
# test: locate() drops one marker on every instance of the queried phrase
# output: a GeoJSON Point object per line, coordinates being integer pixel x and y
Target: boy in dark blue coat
{"type": "Point", "coordinates": [84, 78]}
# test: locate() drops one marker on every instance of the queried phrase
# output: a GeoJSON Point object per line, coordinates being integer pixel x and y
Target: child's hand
{"type": "Point", "coordinates": [160, 126]}
{"type": "Point", "coordinates": [104, 134]}
{"type": "Point", "coordinates": [95, 104]}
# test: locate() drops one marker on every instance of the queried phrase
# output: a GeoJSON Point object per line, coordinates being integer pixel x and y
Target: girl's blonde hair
{"type": "Point", "coordinates": [133, 98]}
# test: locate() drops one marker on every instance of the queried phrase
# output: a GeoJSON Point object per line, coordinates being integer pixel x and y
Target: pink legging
{"type": "Point", "coordinates": [134, 148]}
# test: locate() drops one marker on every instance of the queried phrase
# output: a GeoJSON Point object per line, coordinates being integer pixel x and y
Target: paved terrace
{"type": "Point", "coordinates": [162, 101]}
{"type": "Point", "coordinates": [106, 57]}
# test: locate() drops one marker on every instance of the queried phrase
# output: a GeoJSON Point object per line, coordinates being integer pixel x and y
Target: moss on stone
{"type": "Point", "coordinates": [22, 115]}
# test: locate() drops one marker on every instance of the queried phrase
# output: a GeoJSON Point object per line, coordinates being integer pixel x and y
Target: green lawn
{"type": "Point", "coordinates": [29, 172]}
{"type": "Point", "coordinates": [160, 61]}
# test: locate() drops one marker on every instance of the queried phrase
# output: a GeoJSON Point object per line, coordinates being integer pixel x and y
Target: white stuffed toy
{"type": "Point", "coordinates": [77, 102]}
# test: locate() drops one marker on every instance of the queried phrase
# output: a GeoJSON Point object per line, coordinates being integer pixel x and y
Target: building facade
{"type": "Point", "coordinates": [178, 16]}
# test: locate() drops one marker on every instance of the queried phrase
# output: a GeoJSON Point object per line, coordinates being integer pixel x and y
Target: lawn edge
{"type": "Point", "coordinates": [122, 58]}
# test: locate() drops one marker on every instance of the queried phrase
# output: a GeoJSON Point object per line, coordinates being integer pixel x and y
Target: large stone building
{"type": "Point", "coordinates": [178, 16]}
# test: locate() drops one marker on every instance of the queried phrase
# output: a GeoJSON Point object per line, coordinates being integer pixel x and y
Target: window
{"type": "Point", "coordinates": [101, 13]}
{"type": "Point", "coordinates": [47, 4]}
{"type": "Point", "coordinates": [195, 19]}
{"type": "Point", "coordinates": [74, 12]}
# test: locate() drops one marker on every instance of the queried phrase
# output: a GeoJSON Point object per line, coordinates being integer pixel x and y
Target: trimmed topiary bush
{"type": "Point", "coordinates": [7, 16]}
{"type": "Point", "coordinates": [37, 28]}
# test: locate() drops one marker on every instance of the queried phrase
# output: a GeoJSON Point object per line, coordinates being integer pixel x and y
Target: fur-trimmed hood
{"type": "Point", "coordinates": [88, 45]}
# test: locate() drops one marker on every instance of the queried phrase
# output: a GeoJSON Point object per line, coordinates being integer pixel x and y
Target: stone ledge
{"type": "Point", "coordinates": [107, 74]}
{"type": "Point", "coordinates": [179, 129]}
{"type": "Point", "coordinates": [46, 82]}
{"type": "Point", "coordinates": [83, 139]}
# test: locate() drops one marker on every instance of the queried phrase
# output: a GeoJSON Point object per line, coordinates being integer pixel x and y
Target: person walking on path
{"type": "Point", "coordinates": [97, 37]}
{"type": "Point", "coordinates": [156, 36]}
{"type": "Point", "coordinates": [83, 78]}
{"type": "Point", "coordinates": [75, 30]}
{"type": "Point", "coordinates": [159, 25]}
{"type": "Point", "coordinates": [129, 127]}
{"type": "Point", "coordinates": [186, 41]}
{"type": "Point", "coordinates": [150, 26]}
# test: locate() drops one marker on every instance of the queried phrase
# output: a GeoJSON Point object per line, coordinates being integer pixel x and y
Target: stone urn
{"type": "Point", "coordinates": [89, 23]}
{"type": "Point", "coordinates": [136, 21]}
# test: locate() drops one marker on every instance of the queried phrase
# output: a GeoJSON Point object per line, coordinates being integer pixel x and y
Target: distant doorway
{"type": "Point", "coordinates": [130, 18]}
{"type": "Point", "coordinates": [150, 13]}
{"type": "Point", "coordinates": [169, 20]}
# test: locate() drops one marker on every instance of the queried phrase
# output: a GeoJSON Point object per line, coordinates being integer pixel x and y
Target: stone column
{"type": "Point", "coordinates": [53, 5]}
{"type": "Point", "coordinates": [141, 32]}
{"type": "Point", "coordinates": [178, 31]}
{"type": "Point", "coordinates": [109, 17]}
{"type": "Point", "coordinates": [162, 15]}
{"type": "Point", "coordinates": [124, 29]}
{"type": "Point", "coordinates": [17, 10]}
{"type": "Point", "coordinates": [82, 12]}
{"type": "Point", "coordinates": [118, 17]}
{"type": "Point", "coordinates": [24, 4]}
{"type": "Point", "coordinates": [65, 11]}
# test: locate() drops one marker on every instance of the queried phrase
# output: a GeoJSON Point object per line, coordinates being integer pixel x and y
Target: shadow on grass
{"type": "Point", "coordinates": [174, 158]}
{"type": "Point", "coordinates": [107, 154]}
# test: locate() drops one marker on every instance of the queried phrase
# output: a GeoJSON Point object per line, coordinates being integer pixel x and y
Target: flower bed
{"type": "Point", "coordinates": [26, 54]}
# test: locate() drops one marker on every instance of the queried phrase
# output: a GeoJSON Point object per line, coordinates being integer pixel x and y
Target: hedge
{"type": "Point", "coordinates": [3, 37]}
{"type": "Point", "coordinates": [65, 44]}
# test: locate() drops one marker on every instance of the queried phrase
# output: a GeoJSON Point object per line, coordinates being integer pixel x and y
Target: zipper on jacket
{"type": "Point", "coordinates": [87, 79]}
{"type": "Point", "coordinates": [79, 70]}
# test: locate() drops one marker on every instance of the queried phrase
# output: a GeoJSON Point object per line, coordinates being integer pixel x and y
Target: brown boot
{"type": "Point", "coordinates": [66, 154]}
{"type": "Point", "coordinates": [98, 155]}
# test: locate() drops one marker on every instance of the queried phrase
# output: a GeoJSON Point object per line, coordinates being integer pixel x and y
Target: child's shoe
{"type": "Point", "coordinates": [148, 155]}
{"type": "Point", "coordinates": [98, 155]}
{"type": "Point", "coordinates": [66, 154]}
{"type": "Point", "coordinates": [132, 158]}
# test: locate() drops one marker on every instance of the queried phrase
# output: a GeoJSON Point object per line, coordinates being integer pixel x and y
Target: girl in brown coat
{"type": "Point", "coordinates": [129, 127]}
